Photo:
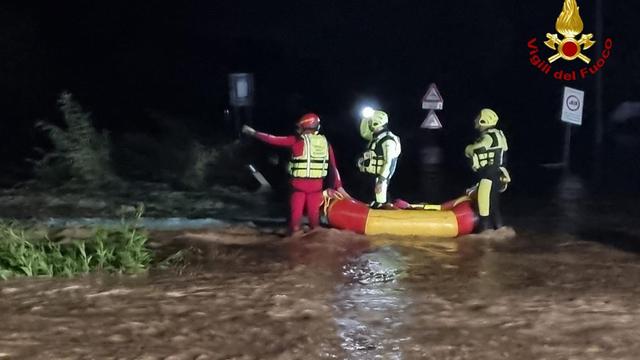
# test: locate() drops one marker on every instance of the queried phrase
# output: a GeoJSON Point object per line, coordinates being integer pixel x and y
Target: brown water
{"type": "Point", "coordinates": [566, 287]}
{"type": "Point", "coordinates": [332, 296]}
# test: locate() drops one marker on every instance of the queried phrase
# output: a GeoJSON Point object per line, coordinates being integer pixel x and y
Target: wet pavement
{"type": "Point", "coordinates": [563, 287]}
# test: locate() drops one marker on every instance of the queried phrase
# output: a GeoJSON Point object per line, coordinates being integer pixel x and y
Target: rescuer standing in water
{"type": "Point", "coordinates": [381, 157]}
{"type": "Point", "coordinates": [311, 160]}
{"type": "Point", "coordinates": [488, 157]}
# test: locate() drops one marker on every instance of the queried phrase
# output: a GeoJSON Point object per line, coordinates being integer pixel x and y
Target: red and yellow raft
{"type": "Point", "coordinates": [451, 219]}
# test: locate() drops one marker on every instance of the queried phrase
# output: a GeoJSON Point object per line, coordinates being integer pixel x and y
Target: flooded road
{"type": "Point", "coordinates": [565, 287]}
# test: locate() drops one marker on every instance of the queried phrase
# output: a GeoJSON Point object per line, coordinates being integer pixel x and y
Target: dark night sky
{"type": "Point", "coordinates": [123, 58]}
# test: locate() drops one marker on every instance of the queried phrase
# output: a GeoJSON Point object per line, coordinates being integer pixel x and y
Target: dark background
{"type": "Point", "coordinates": [126, 59]}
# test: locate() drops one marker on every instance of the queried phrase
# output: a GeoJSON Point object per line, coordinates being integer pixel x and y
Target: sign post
{"type": "Point", "coordinates": [431, 152]}
{"type": "Point", "coordinates": [572, 109]}
{"type": "Point", "coordinates": [241, 91]}
{"type": "Point", "coordinates": [432, 100]}
{"type": "Point", "coordinates": [432, 121]}
{"type": "Point", "coordinates": [572, 106]}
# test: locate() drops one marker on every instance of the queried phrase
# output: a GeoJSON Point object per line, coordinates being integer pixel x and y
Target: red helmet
{"type": "Point", "coordinates": [309, 121]}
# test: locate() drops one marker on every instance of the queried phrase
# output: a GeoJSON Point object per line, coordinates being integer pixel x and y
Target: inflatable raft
{"type": "Point", "coordinates": [451, 219]}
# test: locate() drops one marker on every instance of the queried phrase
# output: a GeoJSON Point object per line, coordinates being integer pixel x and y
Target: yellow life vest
{"type": "Point", "coordinates": [373, 159]}
{"type": "Point", "coordinates": [492, 155]}
{"type": "Point", "coordinates": [314, 161]}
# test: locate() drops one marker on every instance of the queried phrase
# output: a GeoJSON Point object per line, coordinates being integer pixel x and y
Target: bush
{"type": "Point", "coordinates": [230, 166]}
{"type": "Point", "coordinates": [202, 160]}
{"type": "Point", "coordinates": [80, 152]}
{"type": "Point", "coordinates": [27, 251]}
{"type": "Point", "coordinates": [174, 155]}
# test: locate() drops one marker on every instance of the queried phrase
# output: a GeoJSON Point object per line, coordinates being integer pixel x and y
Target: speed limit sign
{"type": "Point", "coordinates": [572, 106]}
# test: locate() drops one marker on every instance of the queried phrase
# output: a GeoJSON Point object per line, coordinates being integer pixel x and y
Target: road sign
{"type": "Point", "coordinates": [431, 122]}
{"type": "Point", "coordinates": [432, 99]}
{"type": "Point", "coordinates": [572, 106]}
{"type": "Point", "coordinates": [241, 89]}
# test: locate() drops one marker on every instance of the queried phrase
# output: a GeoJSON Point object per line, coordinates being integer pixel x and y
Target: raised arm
{"type": "Point", "coordinates": [481, 143]}
{"type": "Point", "coordinates": [283, 141]}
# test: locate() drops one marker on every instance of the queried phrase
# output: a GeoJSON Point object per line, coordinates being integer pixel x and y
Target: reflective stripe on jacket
{"type": "Point", "coordinates": [314, 161]}
{"type": "Point", "coordinates": [374, 160]}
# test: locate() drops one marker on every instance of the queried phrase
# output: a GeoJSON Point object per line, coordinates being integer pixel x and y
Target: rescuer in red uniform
{"type": "Point", "coordinates": [311, 160]}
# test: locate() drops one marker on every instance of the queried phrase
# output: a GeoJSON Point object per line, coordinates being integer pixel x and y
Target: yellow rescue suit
{"type": "Point", "coordinates": [487, 155]}
{"type": "Point", "coordinates": [380, 160]}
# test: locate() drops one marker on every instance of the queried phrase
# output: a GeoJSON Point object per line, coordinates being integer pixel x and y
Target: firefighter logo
{"type": "Point", "coordinates": [569, 25]}
{"type": "Point", "coordinates": [569, 43]}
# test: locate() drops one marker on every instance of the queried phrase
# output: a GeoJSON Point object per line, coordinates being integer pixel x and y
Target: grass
{"type": "Point", "coordinates": [29, 251]}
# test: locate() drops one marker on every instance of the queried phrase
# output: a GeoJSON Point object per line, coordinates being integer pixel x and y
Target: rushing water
{"type": "Point", "coordinates": [564, 288]}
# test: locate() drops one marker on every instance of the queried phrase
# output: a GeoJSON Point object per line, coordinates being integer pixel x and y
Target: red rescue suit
{"type": "Point", "coordinates": [305, 192]}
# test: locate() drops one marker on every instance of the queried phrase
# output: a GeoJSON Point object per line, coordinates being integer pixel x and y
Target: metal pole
{"type": "Point", "coordinates": [599, 130]}
{"type": "Point", "coordinates": [566, 153]}
{"type": "Point", "coordinates": [228, 122]}
{"type": "Point", "coordinates": [237, 121]}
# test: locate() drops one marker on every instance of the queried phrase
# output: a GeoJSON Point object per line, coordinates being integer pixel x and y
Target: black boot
{"type": "Point", "coordinates": [484, 224]}
{"type": "Point", "coordinates": [497, 221]}
{"type": "Point", "coordinates": [376, 205]}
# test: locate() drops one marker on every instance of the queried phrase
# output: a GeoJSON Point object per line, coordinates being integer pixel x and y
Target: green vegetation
{"type": "Point", "coordinates": [83, 156]}
{"type": "Point", "coordinates": [80, 153]}
{"type": "Point", "coordinates": [29, 251]}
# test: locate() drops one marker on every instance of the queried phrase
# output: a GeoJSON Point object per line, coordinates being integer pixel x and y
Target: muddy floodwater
{"type": "Point", "coordinates": [564, 286]}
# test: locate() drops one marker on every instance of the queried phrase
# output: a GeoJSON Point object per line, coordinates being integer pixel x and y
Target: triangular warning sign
{"type": "Point", "coordinates": [432, 98]}
{"type": "Point", "coordinates": [431, 122]}
{"type": "Point", "coordinates": [433, 94]}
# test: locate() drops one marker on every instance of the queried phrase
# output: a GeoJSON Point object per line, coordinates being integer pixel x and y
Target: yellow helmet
{"type": "Point", "coordinates": [486, 119]}
{"type": "Point", "coordinates": [370, 124]}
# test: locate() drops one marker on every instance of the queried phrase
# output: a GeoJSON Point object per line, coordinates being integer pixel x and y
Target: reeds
{"type": "Point", "coordinates": [29, 251]}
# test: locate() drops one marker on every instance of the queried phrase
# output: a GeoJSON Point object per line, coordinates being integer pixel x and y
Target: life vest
{"type": "Point", "coordinates": [373, 159]}
{"type": "Point", "coordinates": [494, 154]}
{"type": "Point", "coordinates": [314, 161]}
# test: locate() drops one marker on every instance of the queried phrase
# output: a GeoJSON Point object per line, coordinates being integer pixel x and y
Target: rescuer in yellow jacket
{"type": "Point", "coordinates": [381, 157]}
{"type": "Point", "coordinates": [488, 157]}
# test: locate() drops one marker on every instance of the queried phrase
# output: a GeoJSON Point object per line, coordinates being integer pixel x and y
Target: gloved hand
{"type": "Point", "coordinates": [468, 151]}
{"type": "Point", "coordinates": [505, 179]}
{"type": "Point", "coordinates": [248, 130]}
{"type": "Point", "coordinates": [364, 159]}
